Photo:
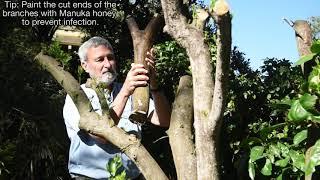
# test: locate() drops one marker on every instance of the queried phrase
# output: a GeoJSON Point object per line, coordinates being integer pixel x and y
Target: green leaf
{"type": "Point", "coordinates": [297, 159]}
{"type": "Point", "coordinates": [297, 112]}
{"type": "Point", "coordinates": [305, 59]}
{"type": "Point", "coordinates": [122, 176]}
{"type": "Point", "coordinates": [279, 177]}
{"type": "Point", "coordinates": [299, 137]}
{"type": "Point", "coordinates": [308, 101]}
{"type": "Point", "coordinates": [314, 158]}
{"type": "Point", "coordinates": [112, 169]}
{"type": "Point", "coordinates": [314, 80]}
{"type": "Point", "coordinates": [284, 149]}
{"type": "Point", "coordinates": [256, 153]}
{"type": "Point", "coordinates": [316, 119]}
{"type": "Point", "coordinates": [282, 162]}
{"type": "Point", "coordinates": [212, 3]}
{"type": "Point", "coordinates": [267, 168]}
{"type": "Point", "coordinates": [281, 105]}
{"type": "Point", "coordinates": [251, 170]}
{"type": "Point", "coordinates": [113, 165]}
{"type": "Point", "coordinates": [315, 47]}
{"type": "Point", "coordinates": [275, 150]}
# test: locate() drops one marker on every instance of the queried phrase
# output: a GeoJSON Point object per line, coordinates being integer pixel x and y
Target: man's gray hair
{"type": "Point", "coordinates": [92, 42]}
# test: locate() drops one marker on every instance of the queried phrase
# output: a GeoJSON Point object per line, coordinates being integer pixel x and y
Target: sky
{"type": "Point", "coordinates": [259, 31]}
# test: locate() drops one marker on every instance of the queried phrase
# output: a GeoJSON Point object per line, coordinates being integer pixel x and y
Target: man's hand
{"type": "Point", "coordinates": [150, 59]}
{"type": "Point", "coordinates": [136, 77]}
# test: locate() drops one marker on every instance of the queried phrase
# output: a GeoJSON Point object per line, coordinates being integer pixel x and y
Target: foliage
{"type": "Point", "coordinates": [315, 26]}
{"type": "Point", "coordinates": [54, 50]}
{"type": "Point", "coordinates": [172, 63]}
{"type": "Point", "coordinates": [279, 150]}
{"type": "Point", "coordinates": [279, 153]}
{"type": "Point", "coordinates": [247, 110]}
{"type": "Point", "coordinates": [115, 168]}
{"type": "Point", "coordinates": [315, 52]}
{"type": "Point", "coordinates": [32, 143]}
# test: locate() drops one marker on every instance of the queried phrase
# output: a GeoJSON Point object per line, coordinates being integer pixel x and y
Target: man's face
{"type": "Point", "coordinates": [100, 64]}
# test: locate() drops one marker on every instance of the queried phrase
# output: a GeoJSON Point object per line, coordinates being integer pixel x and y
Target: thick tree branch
{"type": "Point", "coordinates": [206, 115]}
{"type": "Point", "coordinates": [101, 90]}
{"type": "Point", "coordinates": [304, 40]}
{"type": "Point", "coordinates": [181, 133]}
{"type": "Point", "coordinates": [191, 38]}
{"type": "Point", "coordinates": [223, 21]}
{"type": "Point", "coordinates": [100, 125]}
{"type": "Point", "coordinates": [142, 42]}
{"type": "Point", "coordinates": [201, 18]}
{"type": "Point", "coordinates": [303, 35]}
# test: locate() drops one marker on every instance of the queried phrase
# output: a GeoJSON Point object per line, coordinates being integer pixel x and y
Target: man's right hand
{"type": "Point", "coordinates": [136, 77]}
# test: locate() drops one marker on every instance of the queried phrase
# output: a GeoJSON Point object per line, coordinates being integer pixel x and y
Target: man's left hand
{"type": "Point", "coordinates": [150, 59]}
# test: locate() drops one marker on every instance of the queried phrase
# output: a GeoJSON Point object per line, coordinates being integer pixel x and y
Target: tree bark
{"type": "Point", "coordinates": [207, 115]}
{"type": "Point", "coordinates": [181, 132]}
{"type": "Point", "coordinates": [101, 126]}
{"type": "Point", "coordinates": [303, 34]}
{"type": "Point", "coordinates": [223, 21]}
{"type": "Point", "coordinates": [142, 42]}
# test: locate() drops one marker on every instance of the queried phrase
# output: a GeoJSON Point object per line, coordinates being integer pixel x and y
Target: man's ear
{"type": "Point", "coordinates": [84, 65]}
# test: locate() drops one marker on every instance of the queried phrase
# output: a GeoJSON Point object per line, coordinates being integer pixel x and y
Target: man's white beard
{"type": "Point", "coordinates": [108, 78]}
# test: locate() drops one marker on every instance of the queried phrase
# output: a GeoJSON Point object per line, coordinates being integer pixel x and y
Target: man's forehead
{"type": "Point", "coordinates": [99, 50]}
{"type": "Point", "coordinates": [101, 47]}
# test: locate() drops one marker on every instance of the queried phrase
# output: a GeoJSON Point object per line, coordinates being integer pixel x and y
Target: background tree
{"type": "Point", "coordinates": [315, 26]}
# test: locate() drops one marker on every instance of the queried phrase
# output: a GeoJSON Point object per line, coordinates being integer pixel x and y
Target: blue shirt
{"type": "Point", "coordinates": [88, 157]}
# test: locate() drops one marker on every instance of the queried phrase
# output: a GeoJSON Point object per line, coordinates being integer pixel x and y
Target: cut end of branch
{"type": "Point", "coordinates": [132, 25]}
{"type": "Point", "coordinates": [288, 22]}
{"type": "Point", "coordinates": [201, 18]}
{"type": "Point", "coordinates": [221, 7]}
{"type": "Point", "coordinates": [202, 14]}
{"type": "Point", "coordinates": [166, 29]}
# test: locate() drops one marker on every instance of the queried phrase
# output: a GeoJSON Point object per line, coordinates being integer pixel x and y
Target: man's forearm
{"type": "Point", "coordinates": [161, 116]}
{"type": "Point", "coordinates": [118, 106]}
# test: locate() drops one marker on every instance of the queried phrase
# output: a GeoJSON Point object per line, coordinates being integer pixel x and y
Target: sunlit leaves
{"type": "Point", "coordinates": [56, 51]}
{"type": "Point", "coordinates": [308, 101]}
{"type": "Point", "coordinates": [315, 48]}
{"type": "Point", "coordinates": [256, 153]}
{"type": "Point", "coordinates": [212, 3]}
{"type": "Point", "coordinates": [297, 159]}
{"type": "Point", "coordinates": [300, 108]}
{"type": "Point", "coordinates": [251, 169]}
{"type": "Point", "coordinates": [297, 112]}
{"type": "Point", "coordinates": [314, 80]}
{"type": "Point", "coordinates": [301, 136]}
{"type": "Point", "coordinates": [282, 162]}
{"type": "Point", "coordinates": [314, 158]}
{"type": "Point", "coordinates": [267, 168]}
{"type": "Point", "coordinates": [115, 168]}
{"type": "Point", "coordinates": [305, 59]}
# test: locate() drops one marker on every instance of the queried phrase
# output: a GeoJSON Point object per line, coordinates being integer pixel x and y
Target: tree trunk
{"type": "Point", "coordinates": [209, 99]}
{"type": "Point", "coordinates": [223, 21]}
{"type": "Point", "coordinates": [181, 132]}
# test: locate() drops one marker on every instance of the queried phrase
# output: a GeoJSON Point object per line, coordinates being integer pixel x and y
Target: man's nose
{"type": "Point", "coordinates": [106, 63]}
